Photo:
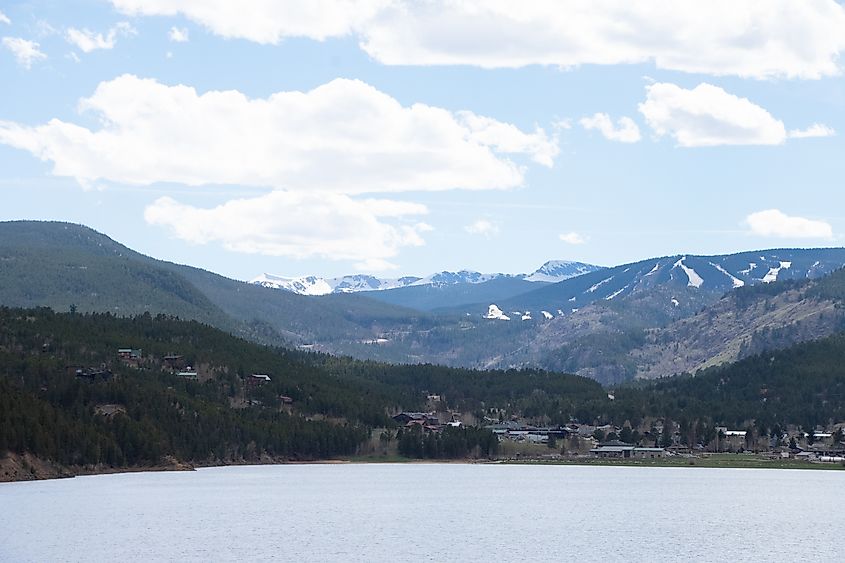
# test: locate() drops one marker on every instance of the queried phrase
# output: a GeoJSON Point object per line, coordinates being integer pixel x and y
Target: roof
{"type": "Point", "coordinates": [263, 376]}
{"type": "Point", "coordinates": [612, 449]}
{"type": "Point", "coordinates": [615, 443]}
{"type": "Point", "coordinates": [412, 415]}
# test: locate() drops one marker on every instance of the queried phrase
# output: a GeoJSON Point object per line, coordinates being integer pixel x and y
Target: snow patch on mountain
{"type": "Point", "coordinates": [751, 266]}
{"type": "Point", "coordinates": [615, 293]}
{"type": "Point", "coordinates": [772, 275]}
{"type": "Point", "coordinates": [594, 287]}
{"type": "Point", "coordinates": [734, 280]}
{"type": "Point", "coordinates": [493, 312]}
{"type": "Point", "coordinates": [693, 279]}
{"type": "Point", "coordinates": [548, 316]}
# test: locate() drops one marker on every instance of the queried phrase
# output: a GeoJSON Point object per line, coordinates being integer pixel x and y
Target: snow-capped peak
{"type": "Point", "coordinates": [551, 272]}
{"type": "Point", "coordinates": [555, 271]}
{"type": "Point", "coordinates": [313, 285]}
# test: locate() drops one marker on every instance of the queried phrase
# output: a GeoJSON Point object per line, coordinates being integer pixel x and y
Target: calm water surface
{"type": "Point", "coordinates": [428, 512]}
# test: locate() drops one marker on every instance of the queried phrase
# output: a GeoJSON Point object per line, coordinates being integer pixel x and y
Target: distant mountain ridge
{"type": "Point", "coordinates": [552, 271]}
{"type": "Point", "coordinates": [686, 280]}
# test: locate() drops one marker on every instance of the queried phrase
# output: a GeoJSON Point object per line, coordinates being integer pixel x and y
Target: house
{"type": "Point", "coordinates": [258, 379]}
{"type": "Point", "coordinates": [730, 439]}
{"type": "Point", "coordinates": [407, 417]}
{"type": "Point", "coordinates": [622, 450]}
{"type": "Point", "coordinates": [174, 361]}
{"type": "Point", "coordinates": [648, 453]}
{"type": "Point", "coordinates": [285, 400]}
{"type": "Point", "coordinates": [613, 449]}
{"type": "Point", "coordinates": [188, 373]}
{"type": "Point", "coordinates": [129, 354]}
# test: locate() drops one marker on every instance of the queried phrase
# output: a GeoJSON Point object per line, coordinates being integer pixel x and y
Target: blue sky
{"type": "Point", "coordinates": [389, 137]}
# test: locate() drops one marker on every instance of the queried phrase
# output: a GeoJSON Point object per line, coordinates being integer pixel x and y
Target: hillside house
{"type": "Point", "coordinates": [405, 418]}
{"type": "Point", "coordinates": [129, 354]}
{"type": "Point", "coordinates": [256, 379]}
{"type": "Point", "coordinates": [188, 373]}
{"type": "Point", "coordinates": [174, 361]}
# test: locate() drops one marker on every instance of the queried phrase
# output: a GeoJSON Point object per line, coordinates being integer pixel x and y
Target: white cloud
{"type": "Point", "coordinates": [483, 227]}
{"type": "Point", "coordinates": [178, 34]}
{"type": "Point", "coordinates": [708, 116]}
{"type": "Point", "coordinates": [298, 225]}
{"type": "Point", "coordinates": [344, 136]}
{"type": "Point", "coordinates": [775, 223]}
{"type": "Point", "coordinates": [508, 138]}
{"type": "Point", "coordinates": [759, 39]}
{"type": "Point", "coordinates": [316, 150]}
{"type": "Point", "coordinates": [5, 19]}
{"type": "Point", "coordinates": [814, 130]}
{"type": "Point", "coordinates": [625, 130]}
{"type": "Point", "coordinates": [264, 21]}
{"type": "Point", "coordinates": [26, 52]}
{"type": "Point", "coordinates": [572, 238]}
{"type": "Point", "coordinates": [87, 41]}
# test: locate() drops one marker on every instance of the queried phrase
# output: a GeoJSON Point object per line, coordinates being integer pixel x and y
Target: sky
{"type": "Point", "coordinates": [389, 137]}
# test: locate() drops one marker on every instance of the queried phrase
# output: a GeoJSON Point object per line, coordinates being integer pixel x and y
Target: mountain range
{"type": "Point", "coordinates": [552, 271]}
{"type": "Point", "coordinates": [651, 318]}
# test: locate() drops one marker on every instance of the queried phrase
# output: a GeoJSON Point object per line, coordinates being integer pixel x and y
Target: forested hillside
{"type": "Point", "coordinates": [64, 266]}
{"type": "Point", "coordinates": [66, 395]}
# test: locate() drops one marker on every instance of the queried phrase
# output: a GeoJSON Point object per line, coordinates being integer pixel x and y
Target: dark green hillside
{"type": "Point", "coordinates": [50, 411]}
{"type": "Point", "coordinates": [803, 385]}
{"type": "Point", "coordinates": [60, 265]}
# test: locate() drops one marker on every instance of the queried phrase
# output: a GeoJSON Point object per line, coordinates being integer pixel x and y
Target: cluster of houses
{"type": "Point", "coordinates": [428, 421]}
{"type": "Point", "coordinates": [727, 439]}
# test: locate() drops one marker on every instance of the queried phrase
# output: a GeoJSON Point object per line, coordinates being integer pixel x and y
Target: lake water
{"type": "Point", "coordinates": [428, 512]}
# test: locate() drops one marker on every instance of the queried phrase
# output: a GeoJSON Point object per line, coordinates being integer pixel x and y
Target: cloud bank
{"type": "Point", "coordinates": [753, 39]}
{"type": "Point", "coordinates": [315, 150]}
{"type": "Point", "coordinates": [343, 136]}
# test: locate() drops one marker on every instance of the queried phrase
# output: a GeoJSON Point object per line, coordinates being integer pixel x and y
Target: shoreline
{"type": "Point", "coordinates": [16, 468]}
